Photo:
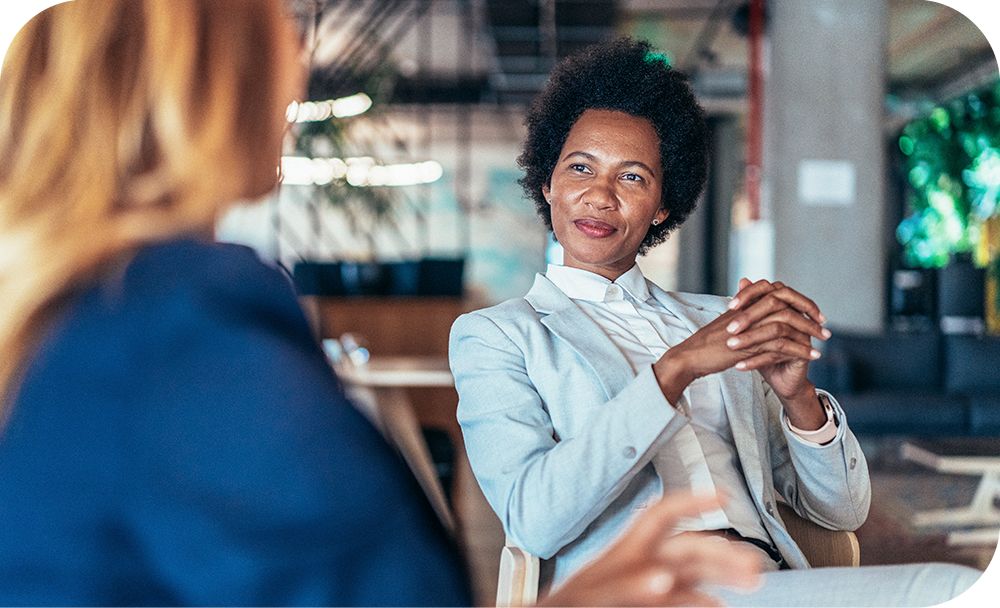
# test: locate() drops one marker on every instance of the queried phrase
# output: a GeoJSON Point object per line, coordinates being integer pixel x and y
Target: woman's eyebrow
{"type": "Point", "coordinates": [586, 155]}
{"type": "Point", "coordinates": [637, 163]}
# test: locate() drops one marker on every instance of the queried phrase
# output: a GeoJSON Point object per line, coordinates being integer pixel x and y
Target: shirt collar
{"type": "Point", "coordinates": [580, 284]}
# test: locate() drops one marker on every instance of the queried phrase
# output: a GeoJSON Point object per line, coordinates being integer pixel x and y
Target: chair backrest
{"type": "Point", "coordinates": [518, 581]}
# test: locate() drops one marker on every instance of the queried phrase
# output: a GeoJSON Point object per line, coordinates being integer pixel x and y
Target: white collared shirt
{"type": "Point", "coordinates": [702, 456]}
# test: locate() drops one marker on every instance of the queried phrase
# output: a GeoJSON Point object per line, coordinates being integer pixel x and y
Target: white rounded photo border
{"type": "Point", "coordinates": [985, 14]}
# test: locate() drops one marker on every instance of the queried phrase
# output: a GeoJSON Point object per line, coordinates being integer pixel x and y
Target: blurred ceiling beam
{"type": "Point", "coordinates": [933, 50]}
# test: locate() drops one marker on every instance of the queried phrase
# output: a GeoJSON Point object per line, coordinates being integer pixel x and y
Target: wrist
{"type": "Point", "coordinates": [673, 374]}
{"type": "Point", "coordinates": [824, 434]}
{"type": "Point", "coordinates": [804, 409]}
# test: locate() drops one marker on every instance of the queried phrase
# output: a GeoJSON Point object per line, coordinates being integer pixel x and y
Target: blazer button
{"type": "Point", "coordinates": [769, 508]}
{"type": "Point", "coordinates": [629, 452]}
{"type": "Point", "coordinates": [854, 463]}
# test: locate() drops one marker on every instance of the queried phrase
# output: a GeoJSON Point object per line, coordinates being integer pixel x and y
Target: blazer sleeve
{"type": "Point", "coordinates": [259, 484]}
{"type": "Point", "coordinates": [828, 484]}
{"type": "Point", "coordinates": [545, 489]}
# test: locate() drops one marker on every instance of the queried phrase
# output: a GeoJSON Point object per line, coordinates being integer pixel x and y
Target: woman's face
{"type": "Point", "coordinates": [605, 191]}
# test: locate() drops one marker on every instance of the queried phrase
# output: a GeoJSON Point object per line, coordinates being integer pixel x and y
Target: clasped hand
{"type": "Point", "coordinates": [767, 328]}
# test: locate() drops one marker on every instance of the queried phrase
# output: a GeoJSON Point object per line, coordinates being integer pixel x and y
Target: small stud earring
{"type": "Point", "coordinates": [656, 222]}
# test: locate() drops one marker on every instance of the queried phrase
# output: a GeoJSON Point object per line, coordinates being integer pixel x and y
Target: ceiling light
{"type": "Point", "coordinates": [316, 111]}
{"type": "Point", "coordinates": [360, 172]}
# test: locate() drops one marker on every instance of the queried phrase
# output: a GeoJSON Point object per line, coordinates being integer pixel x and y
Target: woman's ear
{"type": "Point", "coordinates": [661, 215]}
{"type": "Point", "coordinates": [547, 193]}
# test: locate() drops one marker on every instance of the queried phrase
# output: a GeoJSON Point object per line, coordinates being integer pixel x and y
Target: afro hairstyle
{"type": "Point", "coordinates": [625, 75]}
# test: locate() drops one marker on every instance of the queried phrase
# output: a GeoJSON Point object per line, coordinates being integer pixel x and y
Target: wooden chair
{"type": "Point", "coordinates": [823, 548]}
{"type": "Point", "coordinates": [518, 581]}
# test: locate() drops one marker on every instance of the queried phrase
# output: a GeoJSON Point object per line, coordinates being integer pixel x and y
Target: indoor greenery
{"type": "Point", "coordinates": [951, 162]}
{"type": "Point", "coordinates": [363, 206]}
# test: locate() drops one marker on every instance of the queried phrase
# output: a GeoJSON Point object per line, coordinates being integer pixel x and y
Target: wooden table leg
{"type": "Point", "coordinates": [401, 427]}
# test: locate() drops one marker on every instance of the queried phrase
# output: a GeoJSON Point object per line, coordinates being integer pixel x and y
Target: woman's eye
{"type": "Point", "coordinates": [632, 177]}
{"type": "Point", "coordinates": [578, 167]}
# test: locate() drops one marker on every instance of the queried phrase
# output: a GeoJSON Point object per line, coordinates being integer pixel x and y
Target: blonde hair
{"type": "Point", "coordinates": [125, 122]}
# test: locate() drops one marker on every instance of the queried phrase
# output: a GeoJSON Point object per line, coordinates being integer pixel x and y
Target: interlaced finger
{"type": "Point", "coordinates": [798, 321]}
{"type": "Point", "coordinates": [752, 313]}
{"type": "Point", "coordinates": [779, 337]}
{"type": "Point", "coordinates": [798, 301]}
{"type": "Point", "coordinates": [758, 290]}
{"type": "Point", "coordinates": [750, 294]}
{"type": "Point", "coordinates": [764, 360]}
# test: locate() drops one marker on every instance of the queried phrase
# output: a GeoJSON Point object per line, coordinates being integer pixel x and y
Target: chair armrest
{"type": "Point", "coordinates": [822, 547]}
{"type": "Point", "coordinates": [518, 581]}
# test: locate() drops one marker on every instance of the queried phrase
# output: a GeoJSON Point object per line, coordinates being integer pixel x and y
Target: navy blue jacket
{"type": "Point", "coordinates": [179, 439]}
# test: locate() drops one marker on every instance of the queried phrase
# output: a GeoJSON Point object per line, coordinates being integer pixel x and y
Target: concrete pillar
{"type": "Point", "coordinates": [824, 163]}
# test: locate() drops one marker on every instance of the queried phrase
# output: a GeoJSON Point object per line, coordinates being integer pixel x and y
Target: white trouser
{"type": "Point", "coordinates": [898, 585]}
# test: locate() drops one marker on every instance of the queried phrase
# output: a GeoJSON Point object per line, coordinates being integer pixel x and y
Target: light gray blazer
{"type": "Point", "coordinates": [560, 431]}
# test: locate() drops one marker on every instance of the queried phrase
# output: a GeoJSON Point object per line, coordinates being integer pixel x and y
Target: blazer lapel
{"type": "Point", "coordinates": [569, 323]}
{"type": "Point", "coordinates": [747, 423]}
{"type": "Point", "coordinates": [745, 419]}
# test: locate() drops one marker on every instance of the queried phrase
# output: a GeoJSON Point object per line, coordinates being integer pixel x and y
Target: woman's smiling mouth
{"type": "Point", "coordinates": [595, 228]}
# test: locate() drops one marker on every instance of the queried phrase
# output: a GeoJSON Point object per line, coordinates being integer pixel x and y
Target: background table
{"type": "Point", "coordinates": [379, 389]}
{"type": "Point", "coordinates": [966, 456]}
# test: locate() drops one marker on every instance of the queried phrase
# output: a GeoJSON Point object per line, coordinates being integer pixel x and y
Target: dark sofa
{"type": "Point", "coordinates": [914, 383]}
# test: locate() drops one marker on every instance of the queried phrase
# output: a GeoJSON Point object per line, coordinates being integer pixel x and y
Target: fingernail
{"type": "Point", "coordinates": [822, 318]}
{"type": "Point", "coordinates": [734, 304]}
{"type": "Point", "coordinates": [814, 354]}
{"type": "Point", "coordinates": [826, 333]}
{"type": "Point", "coordinates": [733, 342]}
{"type": "Point", "coordinates": [732, 327]}
{"type": "Point", "coordinates": [741, 365]}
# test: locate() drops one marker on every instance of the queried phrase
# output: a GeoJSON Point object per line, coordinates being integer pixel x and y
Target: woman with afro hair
{"type": "Point", "coordinates": [588, 399]}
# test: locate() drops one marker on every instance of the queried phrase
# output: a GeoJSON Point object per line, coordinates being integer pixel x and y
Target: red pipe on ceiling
{"type": "Point", "coordinates": [755, 99]}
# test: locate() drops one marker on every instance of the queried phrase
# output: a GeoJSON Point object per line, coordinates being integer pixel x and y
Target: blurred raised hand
{"type": "Point", "coordinates": [646, 567]}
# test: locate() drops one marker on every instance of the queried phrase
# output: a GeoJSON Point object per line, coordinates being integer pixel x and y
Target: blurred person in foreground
{"type": "Point", "coordinates": [172, 433]}
{"type": "Point", "coordinates": [597, 392]}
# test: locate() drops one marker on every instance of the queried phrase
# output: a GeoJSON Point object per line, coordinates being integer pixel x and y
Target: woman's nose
{"type": "Point", "coordinates": [600, 197]}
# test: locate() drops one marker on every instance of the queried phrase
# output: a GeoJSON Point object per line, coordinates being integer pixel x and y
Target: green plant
{"type": "Point", "coordinates": [332, 139]}
{"type": "Point", "coordinates": [951, 160]}
{"type": "Point", "coordinates": [371, 213]}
